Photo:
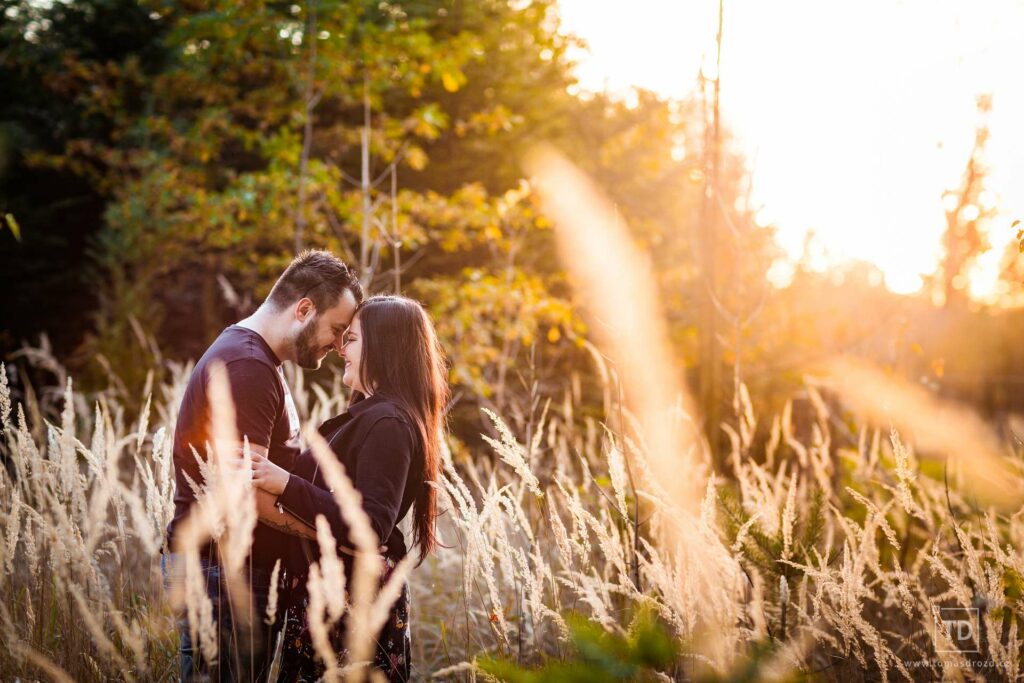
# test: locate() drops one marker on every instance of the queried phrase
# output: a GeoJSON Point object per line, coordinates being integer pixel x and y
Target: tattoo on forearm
{"type": "Point", "coordinates": [290, 525]}
{"type": "Point", "coordinates": [275, 518]}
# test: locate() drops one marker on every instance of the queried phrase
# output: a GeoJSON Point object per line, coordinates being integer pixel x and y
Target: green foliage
{"type": "Point", "coordinates": [218, 137]}
{"type": "Point", "coordinates": [12, 224]}
{"type": "Point", "coordinates": [766, 550]}
{"type": "Point", "coordinates": [598, 656]}
{"type": "Point", "coordinates": [51, 133]}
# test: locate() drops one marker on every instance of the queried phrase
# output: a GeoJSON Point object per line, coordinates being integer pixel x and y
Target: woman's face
{"type": "Point", "coordinates": [352, 352]}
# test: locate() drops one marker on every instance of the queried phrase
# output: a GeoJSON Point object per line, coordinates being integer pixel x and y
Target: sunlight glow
{"type": "Point", "coordinates": [858, 144]}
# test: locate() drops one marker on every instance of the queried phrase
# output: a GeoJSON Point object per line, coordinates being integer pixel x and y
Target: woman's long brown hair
{"type": "Point", "coordinates": [403, 361]}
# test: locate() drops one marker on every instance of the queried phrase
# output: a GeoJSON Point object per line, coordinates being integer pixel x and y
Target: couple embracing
{"type": "Point", "coordinates": [388, 441]}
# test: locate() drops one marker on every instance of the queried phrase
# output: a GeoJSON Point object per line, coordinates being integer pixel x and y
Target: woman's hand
{"type": "Point", "coordinates": [268, 476]}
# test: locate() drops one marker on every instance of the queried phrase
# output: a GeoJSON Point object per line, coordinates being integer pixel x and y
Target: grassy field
{"type": "Point", "coordinates": [827, 556]}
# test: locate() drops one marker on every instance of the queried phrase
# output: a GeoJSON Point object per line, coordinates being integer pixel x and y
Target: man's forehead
{"type": "Point", "coordinates": [342, 312]}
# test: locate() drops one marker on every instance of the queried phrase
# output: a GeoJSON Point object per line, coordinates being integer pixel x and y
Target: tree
{"type": "Point", "coordinates": [59, 206]}
{"type": "Point", "coordinates": [964, 238]}
{"type": "Point", "coordinates": [390, 133]}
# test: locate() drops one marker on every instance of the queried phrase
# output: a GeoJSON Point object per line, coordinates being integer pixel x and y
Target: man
{"type": "Point", "coordinates": [302, 319]}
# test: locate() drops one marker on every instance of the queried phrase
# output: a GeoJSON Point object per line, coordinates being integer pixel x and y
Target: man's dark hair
{"type": "Point", "coordinates": [317, 275]}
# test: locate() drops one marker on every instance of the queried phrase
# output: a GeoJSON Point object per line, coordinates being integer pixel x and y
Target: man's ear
{"type": "Point", "coordinates": [304, 309]}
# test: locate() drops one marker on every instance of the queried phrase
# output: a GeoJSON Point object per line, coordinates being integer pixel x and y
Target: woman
{"type": "Point", "coordinates": [389, 442]}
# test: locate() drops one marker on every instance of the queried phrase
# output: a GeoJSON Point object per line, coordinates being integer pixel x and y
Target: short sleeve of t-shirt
{"type": "Point", "coordinates": [257, 393]}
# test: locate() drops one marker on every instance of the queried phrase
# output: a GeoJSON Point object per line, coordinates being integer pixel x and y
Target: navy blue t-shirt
{"type": "Point", "coordinates": [264, 412]}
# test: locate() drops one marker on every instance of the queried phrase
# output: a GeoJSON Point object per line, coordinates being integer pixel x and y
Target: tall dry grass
{"type": "Point", "coordinates": [86, 497]}
{"type": "Point", "coordinates": [843, 549]}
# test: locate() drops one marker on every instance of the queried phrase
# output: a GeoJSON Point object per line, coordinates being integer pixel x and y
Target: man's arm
{"type": "Point", "coordinates": [384, 459]}
{"type": "Point", "coordinates": [269, 514]}
{"type": "Point", "coordinates": [257, 395]}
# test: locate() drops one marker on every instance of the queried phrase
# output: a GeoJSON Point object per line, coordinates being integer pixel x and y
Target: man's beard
{"type": "Point", "coordinates": [307, 353]}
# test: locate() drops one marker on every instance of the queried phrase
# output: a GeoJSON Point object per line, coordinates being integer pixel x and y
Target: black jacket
{"type": "Point", "coordinates": [382, 452]}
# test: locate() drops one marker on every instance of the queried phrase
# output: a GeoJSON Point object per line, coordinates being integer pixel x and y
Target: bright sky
{"type": "Point", "coordinates": [857, 116]}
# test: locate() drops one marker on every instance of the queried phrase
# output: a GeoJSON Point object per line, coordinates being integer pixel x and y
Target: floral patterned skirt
{"type": "Point", "coordinates": [300, 664]}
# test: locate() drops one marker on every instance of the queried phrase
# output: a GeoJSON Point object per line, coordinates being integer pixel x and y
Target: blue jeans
{"type": "Point", "coordinates": [243, 654]}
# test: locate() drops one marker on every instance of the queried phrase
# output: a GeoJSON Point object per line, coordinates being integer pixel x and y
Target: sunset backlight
{"type": "Point", "coordinates": [855, 118]}
{"type": "Point", "coordinates": [588, 340]}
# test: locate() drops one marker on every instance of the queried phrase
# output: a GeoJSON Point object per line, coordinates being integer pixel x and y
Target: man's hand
{"type": "Point", "coordinates": [268, 476]}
